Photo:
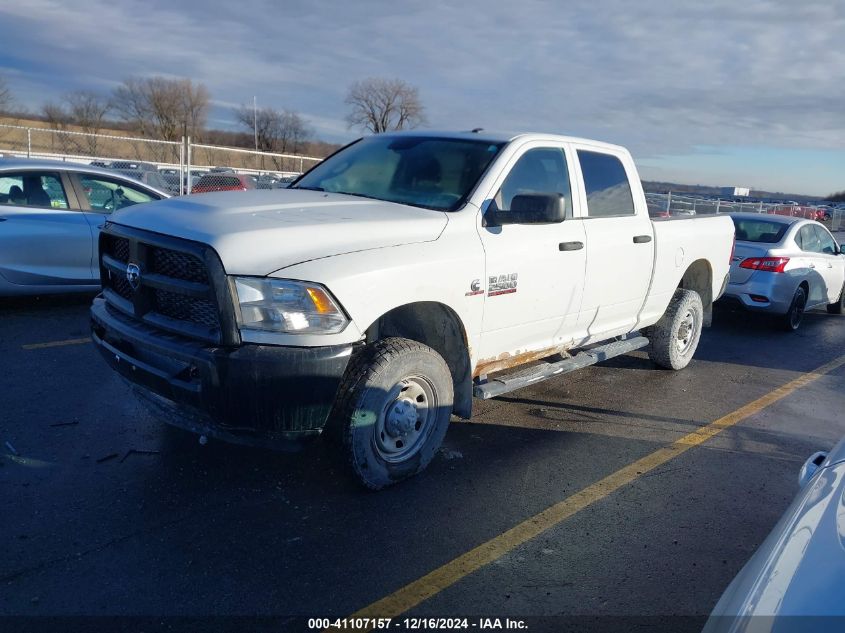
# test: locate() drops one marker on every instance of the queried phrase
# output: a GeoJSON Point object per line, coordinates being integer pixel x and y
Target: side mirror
{"type": "Point", "coordinates": [810, 467]}
{"type": "Point", "coordinates": [841, 249]}
{"type": "Point", "coordinates": [535, 208]}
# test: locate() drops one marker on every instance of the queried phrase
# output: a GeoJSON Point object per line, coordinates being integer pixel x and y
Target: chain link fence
{"type": "Point", "coordinates": [178, 167]}
{"type": "Point", "coordinates": [674, 205]}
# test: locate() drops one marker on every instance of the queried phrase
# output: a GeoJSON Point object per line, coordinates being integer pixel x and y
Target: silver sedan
{"type": "Point", "coordinates": [50, 216]}
{"type": "Point", "coordinates": [784, 266]}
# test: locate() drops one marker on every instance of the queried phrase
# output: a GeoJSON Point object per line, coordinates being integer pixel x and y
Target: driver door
{"type": "Point", "coordinates": [534, 272]}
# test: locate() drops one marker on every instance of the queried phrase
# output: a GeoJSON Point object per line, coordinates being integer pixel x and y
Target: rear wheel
{"type": "Point", "coordinates": [792, 319]}
{"type": "Point", "coordinates": [674, 338]}
{"type": "Point", "coordinates": [393, 410]}
{"type": "Point", "coordinates": [837, 306]}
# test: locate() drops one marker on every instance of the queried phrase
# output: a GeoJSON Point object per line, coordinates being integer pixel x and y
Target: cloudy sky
{"type": "Point", "coordinates": [720, 92]}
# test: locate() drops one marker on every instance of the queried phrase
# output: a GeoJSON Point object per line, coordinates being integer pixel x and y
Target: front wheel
{"type": "Point", "coordinates": [393, 410]}
{"type": "Point", "coordinates": [674, 338]}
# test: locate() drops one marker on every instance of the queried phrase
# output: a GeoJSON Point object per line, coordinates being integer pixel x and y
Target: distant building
{"type": "Point", "coordinates": [734, 192]}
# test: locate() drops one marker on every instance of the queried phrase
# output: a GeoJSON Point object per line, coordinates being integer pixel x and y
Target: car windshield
{"type": "Point", "coordinates": [423, 171]}
{"type": "Point", "coordinates": [764, 231]}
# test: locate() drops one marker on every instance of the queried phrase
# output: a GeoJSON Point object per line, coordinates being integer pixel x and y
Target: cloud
{"type": "Point", "coordinates": [659, 77]}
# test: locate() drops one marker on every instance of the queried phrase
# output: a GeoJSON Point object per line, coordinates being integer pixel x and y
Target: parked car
{"type": "Point", "coordinates": [152, 179]}
{"type": "Point", "coordinates": [798, 573]}
{"type": "Point", "coordinates": [130, 165]}
{"type": "Point", "coordinates": [223, 181]}
{"type": "Point", "coordinates": [285, 181]}
{"type": "Point", "coordinates": [413, 272]}
{"type": "Point", "coordinates": [784, 266]}
{"type": "Point", "coordinates": [50, 216]}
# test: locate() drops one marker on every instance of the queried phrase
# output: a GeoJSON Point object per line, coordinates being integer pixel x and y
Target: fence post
{"type": "Point", "coordinates": [29, 142]}
{"type": "Point", "coordinates": [669, 202]}
{"type": "Point", "coordinates": [182, 167]}
{"type": "Point", "coordinates": [190, 183]}
{"type": "Point", "coordinates": [718, 204]}
{"type": "Point", "coordinates": [300, 164]}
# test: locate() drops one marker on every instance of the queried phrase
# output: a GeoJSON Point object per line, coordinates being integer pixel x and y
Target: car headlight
{"type": "Point", "coordinates": [282, 305]}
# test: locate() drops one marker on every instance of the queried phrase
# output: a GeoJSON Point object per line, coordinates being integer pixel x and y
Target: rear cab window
{"type": "Point", "coordinates": [606, 184]}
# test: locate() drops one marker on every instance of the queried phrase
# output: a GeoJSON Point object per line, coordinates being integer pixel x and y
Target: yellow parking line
{"type": "Point", "coordinates": [445, 576]}
{"type": "Point", "coordinates": [70, 341]}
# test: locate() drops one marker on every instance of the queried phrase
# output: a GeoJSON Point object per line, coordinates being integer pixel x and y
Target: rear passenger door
{"type": "Point", "coordinates": [44, 238]}
{"type": "Point", "coordinates": [620, 244]}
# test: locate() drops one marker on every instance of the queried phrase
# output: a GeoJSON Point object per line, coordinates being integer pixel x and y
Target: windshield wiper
{"type": "Point", "coordinates": [309, 188]}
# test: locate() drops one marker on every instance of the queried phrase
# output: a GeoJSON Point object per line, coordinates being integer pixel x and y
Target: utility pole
{"type": "Point", "coordinates": [255, 120]}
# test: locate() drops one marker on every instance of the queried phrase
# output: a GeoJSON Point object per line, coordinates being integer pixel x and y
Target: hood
{"type": "Point", "coordinates": [259, 232]}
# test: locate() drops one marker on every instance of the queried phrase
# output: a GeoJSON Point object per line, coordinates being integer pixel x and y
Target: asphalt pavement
{"type": "Point", "coordinates": [108, 512]}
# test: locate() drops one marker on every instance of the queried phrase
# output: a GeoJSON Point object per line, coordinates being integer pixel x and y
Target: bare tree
{"type": "Point", "coordinates": [58, 119]}
{"type": "Point", "coordinates": [379, 105]}
{"type": "Point", "coordinates": [6, 99]}
{"type": "Point", "coordinates": [55, 115]}
{"type": "Point", "coordinates": [87, 110]}
{"type": "Point", "coordinates": [162, 108]}
{"type": "Point", "coordinates": [276, 131]}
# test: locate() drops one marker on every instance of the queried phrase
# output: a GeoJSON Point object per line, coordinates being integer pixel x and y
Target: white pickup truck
{"type": "Point", "coordinates": [393, 282]}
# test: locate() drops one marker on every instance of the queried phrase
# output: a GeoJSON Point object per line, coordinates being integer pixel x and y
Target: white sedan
{"type": "Point", "coordinates": [785, 265]}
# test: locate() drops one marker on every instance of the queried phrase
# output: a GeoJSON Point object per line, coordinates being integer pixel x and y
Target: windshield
{"type": "Point", "coordinates": [429, 172]}
{"type": "Point", "coordinates": [763, 231]}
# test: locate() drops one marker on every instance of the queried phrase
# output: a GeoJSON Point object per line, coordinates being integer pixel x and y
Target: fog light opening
{"type": "Point", "coordinates": [759, 298]}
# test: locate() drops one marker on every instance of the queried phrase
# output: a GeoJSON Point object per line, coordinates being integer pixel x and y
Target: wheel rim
{"type": "Point", "coordinates": [797, 311]}
{"type": "Point", "coordinates": [686, 332]}
{"type": "Point", "coordinates": [406, 419]}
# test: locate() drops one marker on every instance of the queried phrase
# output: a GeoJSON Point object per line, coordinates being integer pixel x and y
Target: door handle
{"type": "Point", "coordinates": [642, 239]}
{"type": "Point", "coordinates": [3, 219]}
{"type": "Point", "coordinates": [570, 246]}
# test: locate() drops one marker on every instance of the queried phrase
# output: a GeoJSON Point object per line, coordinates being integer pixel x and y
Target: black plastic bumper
{"type": "Point", "coordinates": [251, 393]}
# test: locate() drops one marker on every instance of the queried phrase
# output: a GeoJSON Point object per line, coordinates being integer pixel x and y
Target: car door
{"type": "Point", "coordinates": [815, 266]}
{"type": "Point", "coordinates": [534, 272]}
{"type": "Point", "coordinates": [100, 196]}
{"type": "Point", "coordinates": [45, 239]}
{"type": "Point", "coordinates": [620, 245]}
{"type": "Point", "coordinates": [831, 263]}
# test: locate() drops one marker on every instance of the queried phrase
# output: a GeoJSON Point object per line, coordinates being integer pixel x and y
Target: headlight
{"type": "Point", "coordinates": [281, 305]}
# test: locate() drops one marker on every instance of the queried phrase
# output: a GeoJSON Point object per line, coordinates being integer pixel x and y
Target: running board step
{"type": "Point", "coordinates": [524, 377]}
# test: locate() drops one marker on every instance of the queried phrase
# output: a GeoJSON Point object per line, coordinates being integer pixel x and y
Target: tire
{"type": "Point", "coordinates": [792, 319]}
{"type": "Point", "coordinates": [674, 338]}
{"type": "Point", "coordinates": [837, 306]}
{"type": "Point", "coordinates": [392, 411]}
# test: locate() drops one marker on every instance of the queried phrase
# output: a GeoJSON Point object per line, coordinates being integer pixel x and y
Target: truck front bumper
{"type": "Point", "coordinates": [256, 394]}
